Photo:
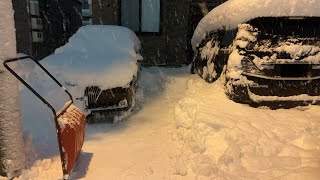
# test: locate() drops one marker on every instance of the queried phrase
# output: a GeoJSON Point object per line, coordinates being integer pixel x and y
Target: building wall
{"type": "Point", "coordinates": [60, 20]}
{"type": "Point", "coordinates": [73, 15]}
{"type": "Point", "coordinates": [22, 24]}
{"type": "Point", "coordinates": [178, 20]}
{"type": "Point", "coordinates": [105, 12]}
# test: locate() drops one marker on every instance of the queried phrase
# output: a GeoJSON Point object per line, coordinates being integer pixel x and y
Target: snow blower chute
{"type": "Point", "coordinates": [70, 121]}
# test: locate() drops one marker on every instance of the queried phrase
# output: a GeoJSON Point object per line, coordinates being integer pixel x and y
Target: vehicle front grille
{"type": "Point", "coordinates": [284, 88]}
{"type": "Point", "coordinates": [110, 98]}
{"type": "Point", "coordinates": [293, 70]}
{"type": "Point", "coordinates": [92, 93]}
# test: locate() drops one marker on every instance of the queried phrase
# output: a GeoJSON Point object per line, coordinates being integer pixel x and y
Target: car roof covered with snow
{"type": "Point", "coordinates": [97, 55]}
{"type": "Point", "coordinates": [233, 12]}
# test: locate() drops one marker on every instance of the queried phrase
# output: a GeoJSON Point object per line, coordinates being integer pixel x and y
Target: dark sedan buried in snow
{"type": "Point", "coordinates": [271, 61]}
{"type": "Point", "coordinates": [100, 66]}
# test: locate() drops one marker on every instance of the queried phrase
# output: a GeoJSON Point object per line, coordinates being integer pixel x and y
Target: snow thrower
{"type": "Point", "coordinates": [70, 121]}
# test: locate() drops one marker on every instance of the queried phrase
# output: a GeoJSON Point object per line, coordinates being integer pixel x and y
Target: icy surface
{"type": "Point", "coordinates": [11, 141]}
{"type": "Point", "coordinates": [234, 12]}
{"type": "Point", "coordinates": [104, 56]}
{"type": "Point", "coordinates": [183, 128]}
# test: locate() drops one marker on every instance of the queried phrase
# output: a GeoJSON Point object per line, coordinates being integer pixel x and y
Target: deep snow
{"type": "Point", "coordinates": [226, 140]}
{"type": "Point", "coordinates": [182, 128]}
{"type": "Point", "coordinates": [94, 51]}
{"type": "Point", "coordinates": [234, 12]}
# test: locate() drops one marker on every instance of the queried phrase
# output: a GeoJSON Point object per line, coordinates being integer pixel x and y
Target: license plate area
{"type": "Point", "coordinates": [292, 70]}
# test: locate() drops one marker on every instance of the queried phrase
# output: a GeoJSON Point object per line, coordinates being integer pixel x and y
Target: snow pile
{"type": "Point", "coordinates": [308, 53]}
{"type": "Point", "coordinates": [209, 53]}
{"type": "Point", "coordinates": [298, 50]}
{"type": "Point", "coordinates": [72, 117]}
{"type": "Point", "coordinates": [234, 65]}
{"type": "Point", "coordinates": [234, 12]}
{"type": "Point", "coordinates": [221, 139]}
{"type": "Point", "coordinates": [104, 56]}
{"type": "Point", "coordinates": [245, 35]}
{"type": "Point", "coordinates": [49, 169]}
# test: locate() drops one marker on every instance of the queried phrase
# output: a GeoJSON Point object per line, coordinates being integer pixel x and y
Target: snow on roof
{"type": "Point", "coordinates": [234, 12]}
{"type": "Point", "coordinates": [97, 55]}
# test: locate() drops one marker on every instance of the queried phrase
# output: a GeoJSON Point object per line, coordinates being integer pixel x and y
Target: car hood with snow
{"type": "Point", "coordinates": [234, 12]}
{"type": "Point", "coordinates": [97, 55]}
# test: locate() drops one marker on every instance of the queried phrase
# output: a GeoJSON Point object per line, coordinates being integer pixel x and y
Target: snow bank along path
{"type": "Point", "coordinates": [233, 12]}
{"type": "Point", "coordinates": [225, 140]}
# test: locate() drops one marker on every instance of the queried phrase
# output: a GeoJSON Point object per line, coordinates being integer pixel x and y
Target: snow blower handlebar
{"type": "Point", "coordinates": [56, 113]}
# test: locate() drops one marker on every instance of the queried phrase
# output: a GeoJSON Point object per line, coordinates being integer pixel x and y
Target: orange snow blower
{"type": "Point", "coordinates": [70, 121]}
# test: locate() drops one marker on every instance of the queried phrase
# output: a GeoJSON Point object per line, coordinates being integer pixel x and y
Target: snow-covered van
{"type": "Point", "coordinates": [271, 51]}
{"type": "Point", "coordinates": [99, 66]}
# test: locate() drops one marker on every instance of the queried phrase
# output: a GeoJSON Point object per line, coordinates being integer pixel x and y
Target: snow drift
{"type": "Point", "coordinates": [225, 140]}
{"type": "Point", "coordinates": [234, 12]}
{"type": "Point", "coordinates": [97, 55]}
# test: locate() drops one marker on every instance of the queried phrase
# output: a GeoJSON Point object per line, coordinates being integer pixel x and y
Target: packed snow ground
{"type": "Point", "coordinates": [183, 128]}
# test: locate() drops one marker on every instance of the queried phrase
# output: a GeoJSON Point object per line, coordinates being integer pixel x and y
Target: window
{"type": "Point", "coordinates": [85, 4]}
{"type": "Point", "coordinates": [86, 8]}
{"type": "Point", "coordinates": [36, 23]}
{"type": "Point", "coordinates": [37, 36]}
{"type": "Point", "coordinates": [87, 22]}
{"type": "Point", "coordinates": [141, 15]}
{"type": "Point", "coordinates": [86, 12]}
{"type": "Point", "coordinates": [34, 8]}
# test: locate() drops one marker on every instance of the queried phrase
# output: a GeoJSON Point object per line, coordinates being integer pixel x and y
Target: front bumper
{"type": "Point", "coordinates": [275, 92]}
{"type": "Point", "coordinates": [106, 105]}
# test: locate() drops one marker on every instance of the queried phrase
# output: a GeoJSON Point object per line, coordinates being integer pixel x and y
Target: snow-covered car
{"type": "Point", "coordinates": [271, 52]}
{"type": "Point", "coordinates": [99, 65]}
